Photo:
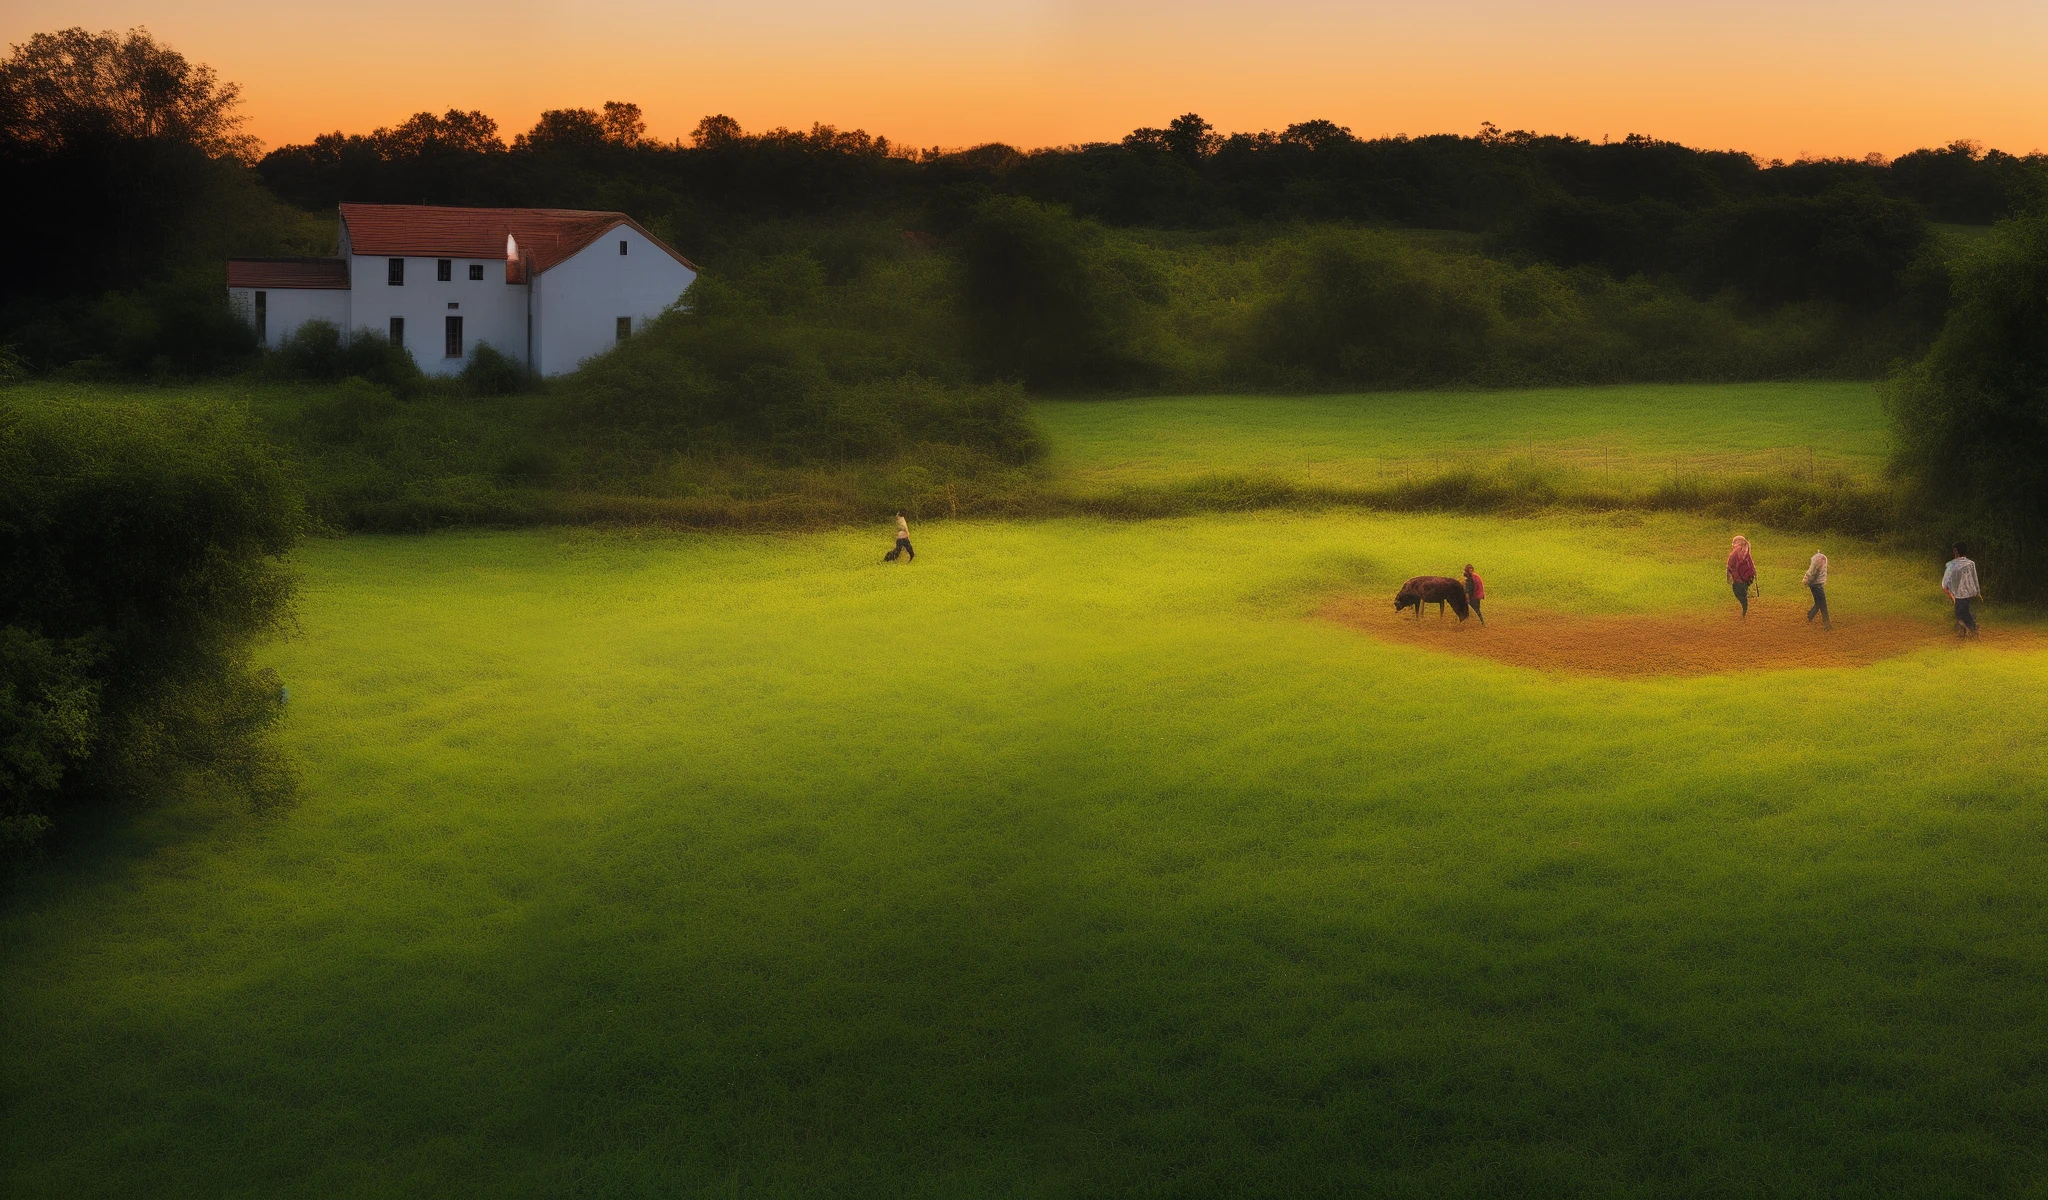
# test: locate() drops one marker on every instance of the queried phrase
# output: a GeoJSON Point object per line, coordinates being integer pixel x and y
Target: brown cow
{"type": "Point", "coordinates": [1432, 589]}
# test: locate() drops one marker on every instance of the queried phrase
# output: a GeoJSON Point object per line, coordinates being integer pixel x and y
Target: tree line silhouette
{"type": "Point", "coordinates": [1185, 175]}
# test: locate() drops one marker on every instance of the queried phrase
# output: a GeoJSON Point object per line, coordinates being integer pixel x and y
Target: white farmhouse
{"type": "Point", "coordinates": [548, 287]}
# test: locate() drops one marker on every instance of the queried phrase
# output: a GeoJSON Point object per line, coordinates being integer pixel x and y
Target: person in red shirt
{"type": "Point", "coordinates": [1475, 591]}
{"type": "Point", "coordinates": [1741, 572]}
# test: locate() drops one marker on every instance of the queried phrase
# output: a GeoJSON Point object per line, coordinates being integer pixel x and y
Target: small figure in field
{"type": "Point", "coordinates": [1959, 580]}
{"type": "Point", "coordinates": [1816, 580]}
{"type": "Point", "coordinates": [902, 541]}
{"type": "Point", "coordinates": [1431, 589]}
{"type": "Point", "coordinates": [1741, 572]}
{"type": "Point", "coordinates": [1475, 591]}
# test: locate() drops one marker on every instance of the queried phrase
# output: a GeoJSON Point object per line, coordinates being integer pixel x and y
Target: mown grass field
{"type": "Point", "coordinates": [1076, 858]}
{"type": "Point", "coordinates": [1624, 432]}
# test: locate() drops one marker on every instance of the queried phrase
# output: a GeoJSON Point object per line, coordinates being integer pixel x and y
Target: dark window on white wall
{"type": "Point", "coordinates": [625, 328]}
{"type": "Point", "coordinates": [398, 331]}
{"type": "Point", "coordinates": [394, 272]}
{"type": "Point", "coordinates": [622, 246]}
{"type": "Point", "coordinates": [444, 270]}
{"type": "Point", "coordinates": [263, 318]}
{"type": "Point", "coordinates": [476, 270]}
{"type": "Point", "coordinates": [454, 348]}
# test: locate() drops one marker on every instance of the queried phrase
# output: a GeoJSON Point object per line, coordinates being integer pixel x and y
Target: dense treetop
{"type": "Point", "coordinates": [1185, 175]}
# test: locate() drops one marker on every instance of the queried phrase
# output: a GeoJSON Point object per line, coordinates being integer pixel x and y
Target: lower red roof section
{"type": "Point", "coordinates": [321, 273]}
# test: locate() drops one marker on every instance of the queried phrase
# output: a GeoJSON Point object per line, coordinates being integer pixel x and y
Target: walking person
{"type": "Point", "coordinates": [1741, 572]}
{"type": "Point", "coordinates": [1816, 580]}
{"type": "Point", "coordinates": [1959, 580]}
{"type": "Point", "coordinates": [902, 539]}
{"type": "Point", "coordinates": [1475, 591]}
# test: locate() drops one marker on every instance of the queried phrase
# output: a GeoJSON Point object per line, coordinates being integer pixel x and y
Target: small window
{"type": "Point", "coordinates": [454, 348]}
{"type": "Point", "coordinates": [476, 271]}
{"type": "Point", "coordinates": [398, 332]}
{"type": "Point", "coordinates": [444, 270]}
{"type": "Point", "coordinates": [394, 272]}
{"type": "Point", "coordinates": [263, 318]}
{"type": "Point", "coordinates": [622, 247]}
{"type": "Point", "coordinates": [625, 328]}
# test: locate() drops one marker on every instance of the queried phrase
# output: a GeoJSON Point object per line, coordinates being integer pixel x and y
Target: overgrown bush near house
{"type": "Point", "coordinates": [167, 329]}
{"type": "Point", "coordinates": [778, 363]}
{"type": "Point", "coordinates": [317, 351]}
{"type": "Point", "coordinates": [141, 553]}
{"type": "Point", "coordinates": [180, 327]}
{"type": "Point", "coordinates": [492, 373]}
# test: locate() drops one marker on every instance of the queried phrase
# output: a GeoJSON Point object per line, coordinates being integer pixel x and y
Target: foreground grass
{"type": "Point", "coordinates": [1071, 859]}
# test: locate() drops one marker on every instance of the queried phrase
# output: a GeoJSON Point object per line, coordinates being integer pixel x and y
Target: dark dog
{"type": "Point", "coordinates": [1432, 589]}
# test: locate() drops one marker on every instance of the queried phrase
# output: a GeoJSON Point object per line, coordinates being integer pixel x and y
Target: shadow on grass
{"type": "Point", "coordinates": [1443, 1014]}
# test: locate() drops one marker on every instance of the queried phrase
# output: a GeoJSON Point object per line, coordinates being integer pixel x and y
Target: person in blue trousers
{"type": "Point", "coordinates": [1816, 580]}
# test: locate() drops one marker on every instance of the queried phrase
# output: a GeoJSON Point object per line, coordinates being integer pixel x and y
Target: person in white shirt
{"type": "Point", "coordinates": [1816, 580]}
{"type": "Point", "coordinates": [902, 539]}
{"type": "Point", "coordinates": [1959, 580]}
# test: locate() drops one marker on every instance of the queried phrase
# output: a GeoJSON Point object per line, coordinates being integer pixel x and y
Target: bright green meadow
{"type": "Point", "coordinates": [1079, 857]}
{"type": "Point", "coordinates": [1624, 432]}
{"type": "Point", "coordinates": [1076, 858]}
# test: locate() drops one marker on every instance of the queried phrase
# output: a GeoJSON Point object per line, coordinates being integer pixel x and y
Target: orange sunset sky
{"type": "Point", "coordinates": [1783, 79]}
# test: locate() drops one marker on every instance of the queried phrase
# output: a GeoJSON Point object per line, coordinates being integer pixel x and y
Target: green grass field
{"type": "Point", "coordinates": [1622, 431]}
{"type": "Point", "coordinates": [1074, 859]}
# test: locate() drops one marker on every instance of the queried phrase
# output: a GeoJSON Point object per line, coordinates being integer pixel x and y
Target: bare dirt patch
{"type": "Point", "coordinates": [1774, 638]}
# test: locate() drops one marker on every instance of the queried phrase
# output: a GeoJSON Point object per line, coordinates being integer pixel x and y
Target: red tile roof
{"type": "Point", "coordinates": [326, 273]}
{"type": "Point", "coordinates": [546, 236]}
